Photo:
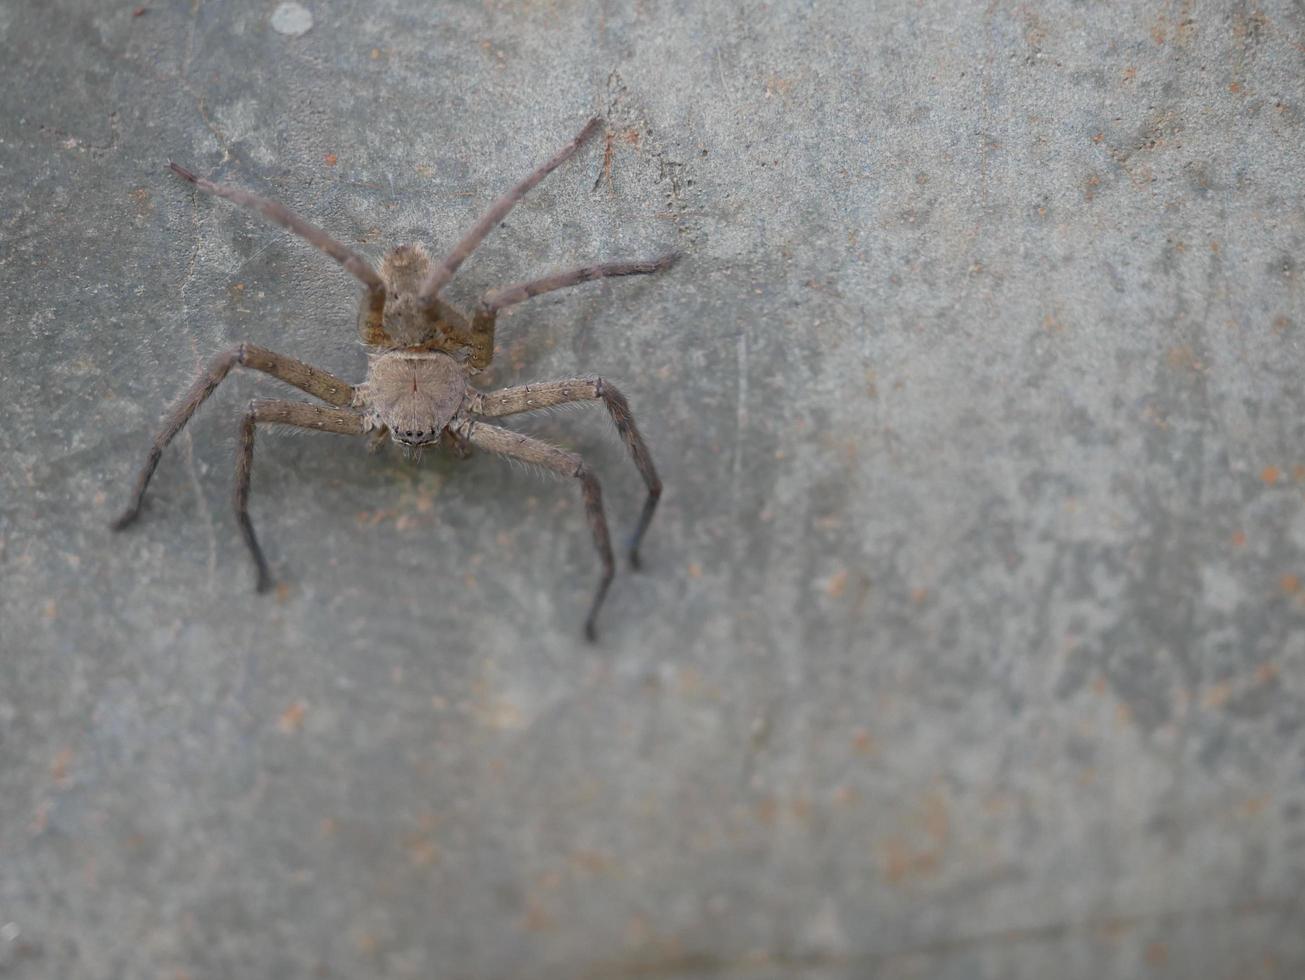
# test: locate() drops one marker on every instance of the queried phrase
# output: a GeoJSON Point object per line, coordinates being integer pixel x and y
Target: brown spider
{"type": "Point", "coordinates": [421, 352]}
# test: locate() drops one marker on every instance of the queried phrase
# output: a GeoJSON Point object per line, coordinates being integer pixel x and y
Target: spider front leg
{"type": "Point", "coordinates": [441, 274]}
{"type": "Point", "coordinates": [299, 414]}
{"type": "Point", "coordinates": [480, 338]}
{"type": "Point", "coordinates": [307, 378]}
{"type": "Point", "coordinates": [504, 442]}
{"type": "Point", "coordinates": [531, 397]}
{"type": "Point", "coordinates": [373, 332]}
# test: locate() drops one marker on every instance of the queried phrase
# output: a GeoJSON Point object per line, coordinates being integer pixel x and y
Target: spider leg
{"type": "Point", "coordinates": [457, 443]}
{"type": "Point", "coordinates": [504, 442]}
{"type": "Point", "coordinates": [439, 276]}
{"type": "Point", "coordinates": [496, 299]}
{"type": "Point", "coordinates": [287, 219]}
{"type": "Point", "coordinates": [379, 437]}
{"type": "Point", "coordinates": [278, 412]}
{"type": "Point", "coordinates": [480, 338]}
{"type": "Point", "coordinates": [316, 382]}
{"type": "Point", "coordinates": [531, 397]}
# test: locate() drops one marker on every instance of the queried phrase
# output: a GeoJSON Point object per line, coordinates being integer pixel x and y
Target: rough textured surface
{"type": "Point", "coordinates": [971, 640]}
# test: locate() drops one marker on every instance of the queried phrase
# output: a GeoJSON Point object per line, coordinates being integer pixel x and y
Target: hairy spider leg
{"type": "Point", "coordinates": [480, 338]}
{"type": "Point", "coordinates": [315, 381]}
{"type": "Point", "coordinates": [532, 397]}
{"type": "Point", "coordinates": [441, 274]}
{"type": "Point", "coordinates": [373, 332]}
{"type": "Point", "coordinates": [505, 442]}
{"type": "Point", "coordinates": [278, 412]}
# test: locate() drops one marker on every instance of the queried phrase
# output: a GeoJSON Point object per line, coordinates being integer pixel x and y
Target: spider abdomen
{"type": "Point", "coordinates": [414, 394]}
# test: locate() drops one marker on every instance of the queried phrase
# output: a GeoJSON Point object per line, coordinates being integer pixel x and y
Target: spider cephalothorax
{"type": "Point", "coordinates": [414, 394]}
{"type": "Point", "coordinates": [421, 354]}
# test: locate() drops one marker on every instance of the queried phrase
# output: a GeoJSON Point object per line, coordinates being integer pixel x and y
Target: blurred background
{"type": "Point", "coordinates": [970, 640]}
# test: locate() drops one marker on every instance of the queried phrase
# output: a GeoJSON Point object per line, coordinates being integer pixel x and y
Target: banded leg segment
{"type": "Point", "coordinates": [287, 219]}
{"type": "Point", "coordinates": [480, 339]}
{"type": "Point", "coordinates": [504, 442]}
{"type": "Point", "coordinates": [439, 276]}
{"type": "Point", "coordinates": [496, 299]}
{"type": "Point", "coordinates": [531, 397]}
{"type": "Point", "coordinates": [315, 236]}
{"type": "Point", "coordinates": [307, 378]}
{"type": "Point", "coordinates": [300, 414]}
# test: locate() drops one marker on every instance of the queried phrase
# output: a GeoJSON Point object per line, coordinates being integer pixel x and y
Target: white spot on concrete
{"type": "Point", "coordinates": [292, 19]}
{"type": "Point", "coordinates": [1220, 589]}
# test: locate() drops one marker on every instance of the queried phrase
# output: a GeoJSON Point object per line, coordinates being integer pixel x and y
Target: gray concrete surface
{"type": "Point", "coordinates": [971, 640]}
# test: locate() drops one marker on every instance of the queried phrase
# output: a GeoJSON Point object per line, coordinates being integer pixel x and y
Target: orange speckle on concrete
{"type": "Point", "coordinates": [1239, 539]}
{"type": "Point", "coordinates": [1255, 806]}
{"type": "Point", "coordinates": [50, 609]}
{"type": "Point", "coordinates": [1182, 358]}
{"type": "Point", "coordinates": [548, 881]}
{"type": "Point", "coordinates": [688, 682]}
{"type": "Point", "coordinates": [695, 570]}
{"type": "Point", "coordinates": [594, 862]}
{"type": "Point", "coordinates": [1289, 583]}
{"type": "Point", "coordinates": [292, 719]}
{"type": "Point", "coordinates": [1113, 929]}
{"type": "Point", "coordinates": [776, 85]}
{"type": "Point", "coordinates": [1217, 695]}
{"type": "Point", "coordinates": [538, 919]}
{"type": "Point", "coordinates": [1266, 673]}
{"type": "Point", "coordinates": [905, 856]}
{"type": "Point", "coordinates": [59, 767]}
{"type": "Point", "coordinates": [864, 742]}
{"type": "Point", "coordinates": [422, 851]}
{"type": "Point", "coordinates": [936, 822]}
{"type": "Point", "coordinates": [1235, 88]}
{"type": "Point", "coordinates": [900, 862]}
{"type": "Point", "coordinates": [501, 715]}
{"type": "Point", "coordinates": [836, 584]}
{"type": "Point", "coordinates": [1099, 685]}
{"type": "Point", "coordinates": [1298, 473]}
{"type": "Point", "coordinates": [1157, 954]}
{"type": "Point", "coordinates": [366, 943]}
{"type": "Point", "coordinates": [1270, 475]}
{"type": "Point", "coordinates": [330, 159]}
